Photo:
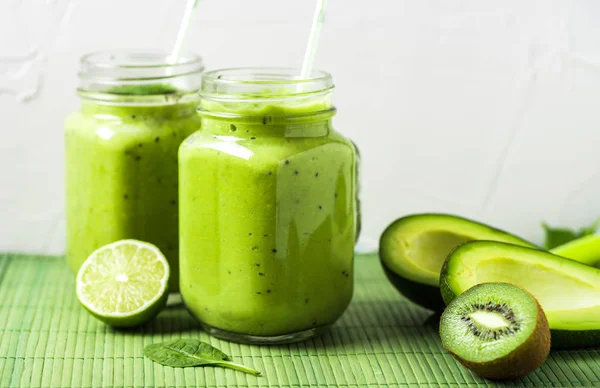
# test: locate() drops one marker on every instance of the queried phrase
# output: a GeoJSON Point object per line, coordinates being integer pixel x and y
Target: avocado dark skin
{"type": "Point", "coordinates": [421, 294]}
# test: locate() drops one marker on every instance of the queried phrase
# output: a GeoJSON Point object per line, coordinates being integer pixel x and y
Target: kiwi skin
{"type": "Point", "coordinates": [521, 361]}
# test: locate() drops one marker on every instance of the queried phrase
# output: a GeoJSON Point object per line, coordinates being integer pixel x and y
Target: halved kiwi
{"type": "Point", "coordinates": [498, 330]}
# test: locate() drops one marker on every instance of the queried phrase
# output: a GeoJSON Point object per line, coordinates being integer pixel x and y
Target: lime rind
{"type": "Point", "coordinates": [124, 283]}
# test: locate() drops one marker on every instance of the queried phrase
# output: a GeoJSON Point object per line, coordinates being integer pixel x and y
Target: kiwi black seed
{"type": "Point", "coordinates": [498, 330]}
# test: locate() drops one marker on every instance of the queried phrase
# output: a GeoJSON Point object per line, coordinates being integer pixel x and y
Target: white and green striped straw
{"type": "Point", "coordinates": [183, 30]}
{"type": "Point", "coordinates": [313, 40]}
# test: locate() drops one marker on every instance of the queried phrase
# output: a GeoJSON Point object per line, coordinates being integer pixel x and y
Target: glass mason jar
{"type": "Point", "coordinates": [267, 208]}
{"type": "Point", "coordinates": [121, 151]}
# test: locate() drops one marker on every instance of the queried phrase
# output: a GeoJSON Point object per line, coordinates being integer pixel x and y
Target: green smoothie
{"type": "Point", "coordinates": [267, 219]}
{"type": "Point", "coordinates": [121, 176]}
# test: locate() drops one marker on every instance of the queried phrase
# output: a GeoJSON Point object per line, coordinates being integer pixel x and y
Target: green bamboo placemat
{"type": "Point", "coordinates": [48, 341]}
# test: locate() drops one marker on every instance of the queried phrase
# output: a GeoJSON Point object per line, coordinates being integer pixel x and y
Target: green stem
{"type": "Point", "coordinates": [239, 367]}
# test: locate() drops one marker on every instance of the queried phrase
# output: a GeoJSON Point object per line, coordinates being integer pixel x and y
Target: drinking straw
{"type": "Point", "coordinates": [183, 30]}
{"type": "Point", "coordinates": [313, 40]}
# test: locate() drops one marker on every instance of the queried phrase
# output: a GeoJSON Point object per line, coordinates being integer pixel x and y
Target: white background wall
{"type": "Point", "coordinates": [489, 109]}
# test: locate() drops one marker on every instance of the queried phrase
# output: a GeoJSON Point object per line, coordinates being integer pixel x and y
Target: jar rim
{"type": "Point", "coordinates": [130, 76]}
{"type": "Point", "coordinates": [269, 75]}
{"type": "Point", "coordinates": [137, 59]}
{"type": "Point", "coordinates": [134, 66]}
{"type": "Point", "coordinates": [263, 82]}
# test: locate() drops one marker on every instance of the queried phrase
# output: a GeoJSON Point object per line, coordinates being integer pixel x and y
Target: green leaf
{"type": "Point", "coordinates": [559, 236]}
{"type": "Point", "coordinates": [191, 352]}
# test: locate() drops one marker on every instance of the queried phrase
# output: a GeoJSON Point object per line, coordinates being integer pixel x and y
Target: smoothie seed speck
{"type": "Point", "coordinates": [261, 274]}
{"type": "Point", "coordinates": [287, 161]}
{"type": "Point", "coordinates": [173, 202]}
{"type": "Point", "coordinates": [336, 195]}
{"type": "Point", "coordinates": [156, 139]}
{"type": "Point", "coordinates": [257, 264]}
{"type": "Point", "coordinates": [274, 250]}
{"type": "Point", "coordinates": [138, 158]}
{"type": "Point", "coordinates": [254, 248]}
{"type": "Point", "coordinates": [268, 291]}
{"type": "Point", "coordinates": [126, 196]}
{"type": "Point", "coordinates": [258, 293]}
{"type": "Point", "coordinates": [320, 207]}
{"type": "Point", "coordinates": [296, 172]}
{"type": "Point", "coordinates": [140, 145]}
{"type": "Point", "coordinates": [232, 128]}
{"type": "Point", "coordinates": [264, 120]}
{"type": "Point", "coordinates": [229, 272]}
{"type": "Point", "coordinates": [270, 173]}
{"type": "Point", "coordinates": [316, 174]}
{"type": "Point", "coordinates": [252, 138]}
{"type": "Point", "coordinates": [205, 308]}
{"type": "Point", "coordinates": [306, 301]}
{"type": "Point", "coordinates": [133, 117]}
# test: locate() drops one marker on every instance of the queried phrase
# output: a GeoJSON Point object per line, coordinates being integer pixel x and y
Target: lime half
{"type": "Point", "coordinates": [124, 284]}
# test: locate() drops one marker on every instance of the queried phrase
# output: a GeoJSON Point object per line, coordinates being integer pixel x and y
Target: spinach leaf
{"type": "Point", "coordinates": [183, 353]}
{"type": "Point", "coordinates": [559, 236]}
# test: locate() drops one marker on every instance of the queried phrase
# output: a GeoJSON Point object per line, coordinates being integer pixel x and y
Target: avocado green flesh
{"type": "Point", "coordinates": [568, 291]}
{"type": "Point", "coordinates": [432, 248]}
{"type": "Point", "coordinates": [461, 319]}
{"type": "Point", "coordinates": [581, 294]}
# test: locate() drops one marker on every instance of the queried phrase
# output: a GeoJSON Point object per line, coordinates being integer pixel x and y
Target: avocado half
{"type": "Point", "coordinates": [568, 291]}
{"type": "Point", "coordinates": [413, 249]}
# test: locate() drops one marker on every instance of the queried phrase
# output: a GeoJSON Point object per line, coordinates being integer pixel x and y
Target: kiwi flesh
{"type": "Point", "coordinates": [498, 330]}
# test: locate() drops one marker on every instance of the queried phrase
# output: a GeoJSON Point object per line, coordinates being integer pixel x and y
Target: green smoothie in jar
{"type": "Point", "coordinates": [267, 208]}
{"type": "Point", "coordinates": [121, 151]}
